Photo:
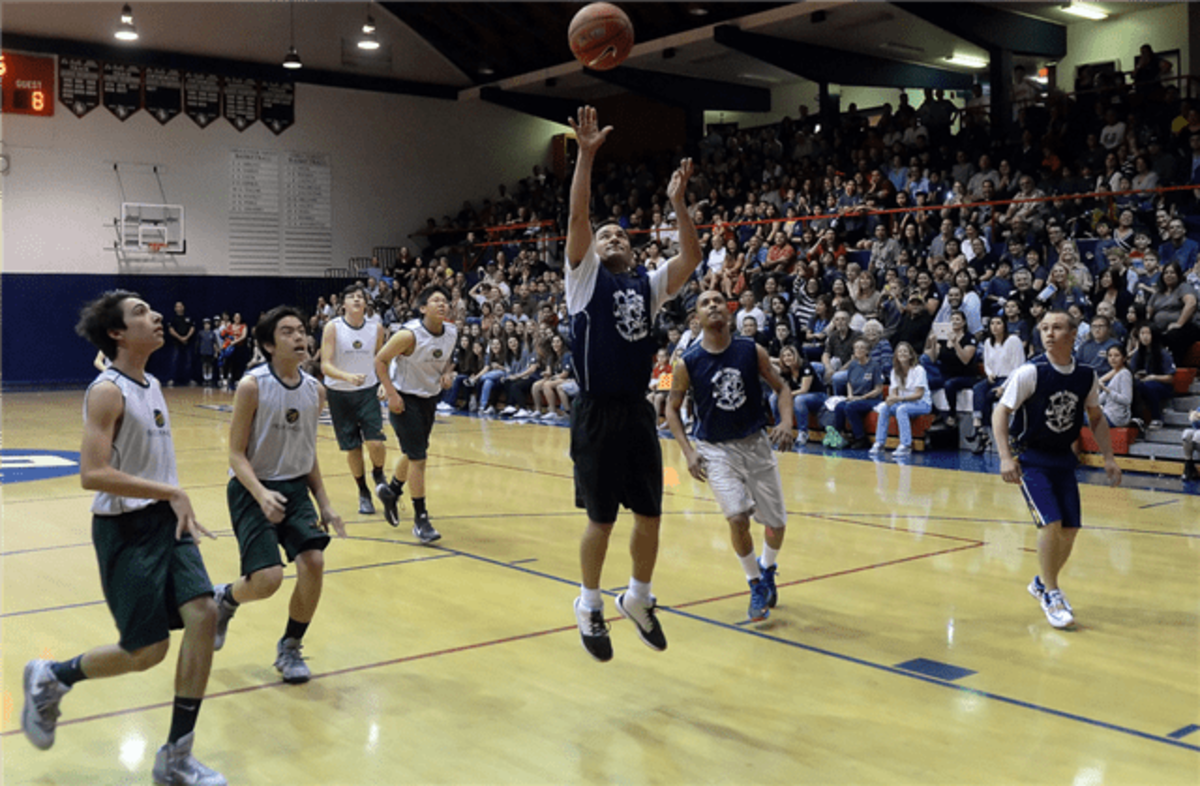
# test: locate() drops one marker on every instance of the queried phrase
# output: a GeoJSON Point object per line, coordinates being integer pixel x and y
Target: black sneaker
{"type": "Point", "coordinates": [593, 632]}
{"type": "Point", "coordinates": [391, 503]}
{"type": "Point", "coordinates": [642, 615]}
{"type": "Point", "coordinates": [423, 530]}
{"type": "Point", "coordinates": [365, 506]}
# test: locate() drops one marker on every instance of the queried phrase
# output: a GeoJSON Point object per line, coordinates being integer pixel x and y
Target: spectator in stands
{"type": "Point", "coordinates": [953, 352]}
{"type": "Point", "coordinates": [1116, 388]}
{"type": "Point", "coordinates": [1094, 351]}
{"type": "Point", "coordinates": [1172, 310]}
{"type": "Point", "coordinates": [1191, 438]}
{"type": "Point", "coordinates": [864, 294]}
{"type": "Point", "coordinates": [491, 374]}
{"type": "Point", "coordinates": [1153, 370]}
{"type": "Point", "coordinates": [964, 301]}
{"type": "Point", "coordinates": [839, 346]}
{"type": "Point", "coordinates": [880, 347]}
{"type": "Point", "coordinates": [468, 362]}
{"type": "Point", "coordinates": [908, 397]}
{"type": "Point", "coordinates": [1179, 248]}
{"type": "Point", "coordinates": [1003, 353]}
{"type": "Point", "coordinates": [808, 392]}
{"type": "Point", "coordinates": [864, 388]}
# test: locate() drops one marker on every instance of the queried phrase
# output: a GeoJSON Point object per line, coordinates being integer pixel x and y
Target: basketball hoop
{"type": "Point", "coordinates": [156, 248]}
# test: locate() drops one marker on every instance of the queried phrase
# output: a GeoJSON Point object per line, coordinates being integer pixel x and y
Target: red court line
{"type": "Point", "coordinates": [835, 574]}
{"type": "Point", "coordinates": [825, 517]}
{"type": "Point", "coordinates": [471, 647]}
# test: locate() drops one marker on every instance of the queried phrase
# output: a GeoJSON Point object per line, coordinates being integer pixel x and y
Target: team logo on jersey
{"type": "Point", "coordinates": [629, 308]}
{"type": "Point", "coordinates": [729, 392]}
{"type": "Point", "coordinates": [357, 344]}
{"type": "Point", "coordinates": [292, 415]}
{"type": "Point", "coordinates": [437, 354]}
{"type": "Point", "coordinates": [160, 420]}
{"type": "Point", "coordinates": [1060, 413]}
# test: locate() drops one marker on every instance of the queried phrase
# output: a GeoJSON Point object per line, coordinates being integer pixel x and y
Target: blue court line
{"type": "Point", "coordinates": [851, 659]}
{"type": "Point", "coordinates": [934, 681]}
{"type": "Point", "coordinates": [1158, 504]}
{"type": "Point", "coordinates": [1179, 734]}
{"type": "Point", "coordinates": [523, 561]}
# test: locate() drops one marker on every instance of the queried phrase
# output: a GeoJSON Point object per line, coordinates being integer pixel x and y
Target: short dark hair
{"type": "Point", "coordinates": [264, 331]}
{"type": "Point", "coordinates": [350, 289]}
{"type": "Point", "coordinates": [101, 315]}
{"type": "Point", "coordinates": [429, 292]}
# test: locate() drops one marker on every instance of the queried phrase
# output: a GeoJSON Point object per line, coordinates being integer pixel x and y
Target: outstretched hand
{"type": "Point", "coordinates": [587, 130]}
{"type": "Point", "coordinates": [677, 188]}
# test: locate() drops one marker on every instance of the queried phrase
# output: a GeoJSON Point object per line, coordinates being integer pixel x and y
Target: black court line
{"type": "Point", "coordinates": [1158, 504]}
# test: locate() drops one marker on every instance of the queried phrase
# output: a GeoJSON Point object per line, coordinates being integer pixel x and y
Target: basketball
{"type": "Point", "coordinates": [601, 36]}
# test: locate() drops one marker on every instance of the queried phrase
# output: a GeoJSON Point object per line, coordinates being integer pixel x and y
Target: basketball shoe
{"type": "Point", "coordinates": [290, 663]}
{"type": "Point", "coordinates": [768, 578]}
{"type": "Point", "coordinates": [43, 692]}
{"type": "Point", "coordinates": [423, 530]}
{"type": "Point", "coordinates": [391, 503]}
{"type": "Point", "coordinates": [642, 614]}
{"type": "Point", "coordinates": [759, 594]}
{"type": "Point", "coordinates": [225, 613]}
{"type": "Point", "coordinates": [174, 765]}
{"type": "Point", "coordinates": [593, 632]}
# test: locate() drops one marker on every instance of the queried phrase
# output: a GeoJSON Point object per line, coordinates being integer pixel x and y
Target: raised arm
{"type": "Point", "coordinates": [590, 137]}
{"type": "Point", "coordinates": [681, 267]}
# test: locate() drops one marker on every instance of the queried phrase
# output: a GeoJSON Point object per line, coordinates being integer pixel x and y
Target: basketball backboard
{"type": "Point", "coordinates": [146, 227]}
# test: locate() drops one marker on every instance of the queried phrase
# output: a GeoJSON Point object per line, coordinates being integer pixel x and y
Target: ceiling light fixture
{"type": "Point", "coordinates": [369, 40]}
{"type": "Point", "coordinates": [1086, 11]}
{"type": "Point", "coordinates": [697, 10]}
{"type": "Point", "coordinates": [967, 61]}
{"type": "Point", "coordinates": [125, 30]}
{"type": "Point", "coordinates": [292, 61]}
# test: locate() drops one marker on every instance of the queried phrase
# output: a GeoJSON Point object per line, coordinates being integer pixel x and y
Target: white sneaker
{"type": "Point", "coordinates": [1057, 611]}
{"type": "Point", "coordinates": [547, 416]}
{"type": "Point", "coordinates": [902, 451]}
{"type": "Point", "coordinates": [43, 692]}
{"type": "Point", "coordinates": [802, 437]}
{"type": "Point", "coordinates": [509, 410]}
{"type": "Point", "coordinates": [445, 408]}
{"type": "Point", "coordinates": [175, 764]}
{"type": "Point", "coordinates": [523, 413]}
{"type": "Point", "coordinates": [490, 411]}
{"type": "Point", "coordinates": [876, 449]}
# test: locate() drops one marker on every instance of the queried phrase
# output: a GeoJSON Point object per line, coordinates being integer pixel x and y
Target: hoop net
{"type": "Point", "coordinates": [156, 248]}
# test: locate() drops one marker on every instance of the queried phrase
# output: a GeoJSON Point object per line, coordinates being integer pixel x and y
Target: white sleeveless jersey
{"type": "Point", "coordinates": [354, 353]}
{"type": "Point", "coordinates": [420, 374]}
{"type": "Point", "coordinates": [142, 446]}
{"type": "Point", "coordinates": [283, 434]}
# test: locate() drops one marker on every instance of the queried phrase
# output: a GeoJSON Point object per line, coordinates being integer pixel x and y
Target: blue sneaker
{"type": "Point", "coordinates": [768, 578]}
{"type": "Point", "coordinates": [759, 594]}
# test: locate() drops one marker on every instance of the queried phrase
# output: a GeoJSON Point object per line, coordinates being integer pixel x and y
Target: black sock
{"type": "Point", "coordinates": [295, 630]}
{"type": "Point", "coordinates": [377, 475]}
{"type": "Point", "coordinates": [183, 718]}
{"type": "Point", "coordinates": [361, 480]}
{"type": "Point", "coordinates": [418, 505]}
{"type": "Point", "coordinates": [70, 671]}
{"type": "Point", "coordinates": [397, 486]}
{"type": "Point", "coordinates": [228, 599]}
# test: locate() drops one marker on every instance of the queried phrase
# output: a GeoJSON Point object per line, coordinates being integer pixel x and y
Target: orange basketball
{"type": "Point", "coordinates": [601, 36]}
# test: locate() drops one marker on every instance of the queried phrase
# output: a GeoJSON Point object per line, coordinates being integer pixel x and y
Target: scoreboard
{"type": "Point", "coordinates": [26, 84]}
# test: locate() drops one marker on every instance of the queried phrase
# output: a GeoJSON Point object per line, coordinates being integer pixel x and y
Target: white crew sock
{"type": "Point", "coordinates": [750, 565]}
{"type": "Point", "coordinates": [639, 589]}
{"type": "Point", "coordinates": [592, 599]}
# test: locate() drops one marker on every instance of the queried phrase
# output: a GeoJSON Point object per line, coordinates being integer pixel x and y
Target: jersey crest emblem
{"type": "Point", "coordinates": [629, 308]}
{"type": "Point", "coordinates": [729, 391]}
{"type": "Point", "coordinates": [1060, 411]}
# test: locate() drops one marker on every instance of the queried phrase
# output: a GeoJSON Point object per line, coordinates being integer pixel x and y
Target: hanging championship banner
{"type": "Point", "coordinates": [79, 84]}
{"type": "Point", "coordinates": [278, 106]}
{"type": "Point", "coordinates": [122, 89]}
{"type": "Point", "coordinates": [241, 102]}
{"type": "Point", "coordinates": [164, 93]}
{"type": "Point", "coordinates": [202, 98]}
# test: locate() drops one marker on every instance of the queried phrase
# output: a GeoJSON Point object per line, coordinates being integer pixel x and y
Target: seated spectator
{"type": "Point", "coordinates": [1112, 287]}
{"type": "Point", "coordinates": [1116, 388]}
{"type": "Point", "coordinates": [864, 388]}
{"type": "Point", "coordinates": [908, 397]}
{"type": "Point", "coordinates": [808, 392]}
{"type": "Point", "coordinates": [748, 308]}
{"type": "Point", "coordinates": [1148, 277]}
{"type": "Point", "coordinates": [660, 385]}
{"type": "Point", "coordinates": [521, 371]}
{"type": "Point", "coordinates": [880, 347]}
{"type": "Point", "coordinates": [468, 362]}
{"type": "Point", "coordinates": [915, 323]}
{"type": "Point", "coordinates": [1003, 353]}
{"type": "Point", "coordinates": [816, 329]}
{"type": "Point", "coordinates": [1179, 247]}
{"type": "Point", "coordinates": [997, 290]}
{"type": "Point", "coordinates": [1172, 310]}
{"type": "Point", "coordinates": [749, 329]}
{"type": "Point", "coordinates": [1153, 370]}
{"type": "Point", "coordinates": [839, 346]}
{"type": "Point", "coordinates": [1016, 324]}
{"type": "Point", "coordinates": [885, 250]}
{"type": "Point", "coordinates": [1059, 292]}
{"type": "Point", "coordinates": [965, 303]}
{"type": "Point", "coordinates": [1191, 440]}
{"type": "Point", "coordinates": [491, 374]}
{"type": "Point", "coordinates": [864, 294]}
{"type": "Point", "coordinates": [1094, 351]}
{"type": "Point", "coordinates": [953, 352]}
{"type": "Point", "coordinates": [779, 338]}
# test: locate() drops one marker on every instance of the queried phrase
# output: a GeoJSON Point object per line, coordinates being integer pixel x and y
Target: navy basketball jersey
{"type": "Point", "coordinates": [727, 390]}
{"type": "Point", "coordinates": [611, 337]}
{"type": "Point", "coordinates": [1051, 418]}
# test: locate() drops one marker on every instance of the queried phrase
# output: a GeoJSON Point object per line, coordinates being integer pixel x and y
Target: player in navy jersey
{"type": "Point", "coordinates": [732, 451]}
{"type": "Point", "coordinates": [145, 531]}
{"type": "Point", "coordinates": [614, 439]}
{"type": "Point", "coordinates": [1041, 414]}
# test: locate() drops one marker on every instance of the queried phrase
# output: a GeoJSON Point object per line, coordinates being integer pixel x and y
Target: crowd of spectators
{"type": "Point", "coordinates": [925, 226]}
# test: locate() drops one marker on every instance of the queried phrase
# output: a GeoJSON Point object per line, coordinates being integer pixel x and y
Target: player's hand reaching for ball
{"type": "Point", "coordinates": [588, 133]}
{"type": "Point", "coordinates": [677, 188]}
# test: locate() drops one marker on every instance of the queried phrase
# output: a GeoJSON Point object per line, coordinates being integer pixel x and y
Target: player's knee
{"type": "Point", "coordinates": [266, 582]}
{"type": "Point", "coordinates": [149, 656]}
{"type": "Point", "coordinates": [740, 522]}
{"type": "Point", "coordinates": [311, 561]}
